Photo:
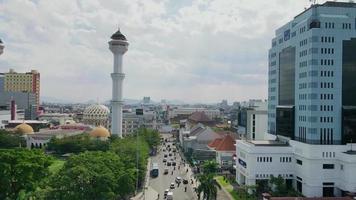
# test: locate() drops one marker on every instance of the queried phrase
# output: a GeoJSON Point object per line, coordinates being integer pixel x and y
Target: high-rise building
{"type": "Point", "coordinates": [312, 106]}
{"type": "Point", "coordinates": [312, 67]}
{"type": "Point", "coordinates": [28, 82]}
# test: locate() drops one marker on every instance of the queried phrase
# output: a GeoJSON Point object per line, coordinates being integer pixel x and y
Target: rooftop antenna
{"type": "Point", "coordinates": [313, 2]}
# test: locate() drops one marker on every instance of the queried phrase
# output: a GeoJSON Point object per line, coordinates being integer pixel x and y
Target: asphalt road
{"type": "Point", "coordinates": [162, 182]}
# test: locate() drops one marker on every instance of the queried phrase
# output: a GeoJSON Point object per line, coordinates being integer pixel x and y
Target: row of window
{"type": "Point", "coordinates": [326, 96]}
{"type": "Point", "coordinates": [328, 154]}
{"type": "Point", "coordinates": [327, 73]}
{"type": "Point", "coordinates": [326, 135]}
{"type": "Point", "coordinates": [329, 25]}
{"type": "Point", "coordinates": [264, 159]}
{"type": "Point", "coordinates": [303, 53]}
{"type": "Point", "coordinates": [346, 25]}
{"type": "Point", "coordinates": [327, 62]}
{"type": "Point", "coordinates": [327, 50]}
{"type": "Point", "coordinates": [326, 85]}
{"type": "Point", "coordinates": [326, 108]}
{"type": "Point", "coordinates": [308, 96]}
{"type": "Point", "coordinates": [325, 39]}
{"type": "Point", "coordinates": [326, 119]}
{"type": "Point", "coordinates": [285, 159]}
{"type": "Point", "coordinates": [303, 42]}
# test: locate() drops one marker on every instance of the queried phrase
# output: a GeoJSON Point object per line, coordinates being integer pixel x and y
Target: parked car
{"type": "Point", "coordinates": [178, 179]}
{"type": "Point", "coordinates": [165, 171]}
{"type": "Point", "coordinates": [166, 192]}
{"type": "Point", "coordinates": [172, 186]}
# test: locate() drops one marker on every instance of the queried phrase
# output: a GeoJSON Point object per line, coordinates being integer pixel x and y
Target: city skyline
{"type": "Point", "coordinates": [200, 52]}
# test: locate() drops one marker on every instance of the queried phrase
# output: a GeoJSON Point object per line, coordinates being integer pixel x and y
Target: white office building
{"type": "Point", "coordinates": [312, 105]}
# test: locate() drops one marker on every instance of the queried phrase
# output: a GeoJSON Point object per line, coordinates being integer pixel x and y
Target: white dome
{"type": "Point", "coordinates": [96, 115]}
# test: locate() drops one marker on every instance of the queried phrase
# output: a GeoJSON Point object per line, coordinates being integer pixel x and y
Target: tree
{"type": "Point", "coordinates": [77, 144]}
{"type": "Point", "coordinates": [152, 137]}
{"type": "Point", "coordinates": [93, 175]}
{"type": "Point", "coordinates": [210, 167]}
{"type": "Point", "coordinates": [128, 149]}
{"type": "Point", "coordinates": [279, 188]}
{"type": "Point", "coordinates": [21, 171]}
{"type": "Point", "coordinates": [209, 186]}
{"type": "Point", "coordinates": [10, 140]}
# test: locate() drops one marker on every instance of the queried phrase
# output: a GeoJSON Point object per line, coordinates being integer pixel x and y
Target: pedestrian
{"type": "Point", "coordinates": [158, 196]}
{"type": "Point", "coordinates": [172, 172]}
{"type": "Point", "coordinates": [185, 189]}
{"type": "Point", "coordinates": [191, 180]}
{"type": "Point", "coordinates": [174, 168]}
{"type": "Point", "coordinates": [187, 170]}
{"type": "Point", "coordinates": [178, 167]}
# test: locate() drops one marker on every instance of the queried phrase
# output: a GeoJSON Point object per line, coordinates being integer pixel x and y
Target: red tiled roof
{"type": "Point", "coordinates": [199, 117]}
{"type": "Point", "coordinates": [215, 143]}
{"type": "Point", "coordinates": [227, 144]}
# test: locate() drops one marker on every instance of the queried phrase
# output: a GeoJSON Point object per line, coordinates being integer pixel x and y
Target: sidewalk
{"type": "Point", "coordinates": [148, 192]}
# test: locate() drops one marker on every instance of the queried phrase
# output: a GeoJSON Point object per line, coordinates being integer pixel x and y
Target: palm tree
{"type": "Point", "coordinates": [209, 186]}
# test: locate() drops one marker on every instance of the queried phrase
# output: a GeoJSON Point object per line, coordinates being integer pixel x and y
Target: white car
{"type": "Point", "coordinates": [166, 192]}
{"type": "Point", "coordinates": [170, 196]}
{"type": "Point", "coordinates": [172, 186]}
{"type": "Point", "coordinates": [178, 179]}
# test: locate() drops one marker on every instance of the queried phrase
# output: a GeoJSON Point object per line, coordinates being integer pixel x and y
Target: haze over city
{"type": "Point", "coordinates": [196, 51]}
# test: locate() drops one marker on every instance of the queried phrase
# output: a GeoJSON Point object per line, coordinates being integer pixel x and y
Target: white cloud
{"type": "Point", "coordinates": [204, 50]}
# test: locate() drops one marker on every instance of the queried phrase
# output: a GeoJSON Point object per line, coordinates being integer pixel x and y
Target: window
{"type": "Point", "coordinates": [328, 166]}
{"type": "Point", "coordinates": [299, 162]}
{"type": "Point", "coordinates": [341, 167]}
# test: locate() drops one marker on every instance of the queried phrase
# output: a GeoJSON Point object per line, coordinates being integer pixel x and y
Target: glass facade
{"type": "Point", "coordinates": [349, 72]}
{"type": "Point", "coordinates": [286, 76]}
{"type": "Point", "coordinates": [285, 121]}
{"type": "Point", "coordinates": [348, 124]}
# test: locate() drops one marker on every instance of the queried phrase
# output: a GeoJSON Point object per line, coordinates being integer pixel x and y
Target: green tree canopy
{"type": "Point", "coordinates": [210, 167]}
{"type": "Point", "coordinates": [209, 186]}
{"type": "Point", "coordinates": [21, 171]}
{"type": "Point", "coordinates": [93, 175]}
{"type": "Point", "coordinates": [77, 144]}
{"type": "Point", "coordinates": [10, 140]}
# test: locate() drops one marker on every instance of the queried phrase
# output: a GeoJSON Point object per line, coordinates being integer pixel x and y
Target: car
{"type": "Point", "coordinates": [174, 150]}
{"type": "Point", "coordinates": [166, 192]}
{"type": "Point", "coordinates": [185, 181]}
{"type": "Point", "coordinates": [163, 150]}
{"type": "Point", "coordinates": [165, 171]}
{"type": "Point", "coordinates": [165, 155]}
{"type": "Point", "coordinates": [164, 160]}
{"type": "Point", "coordinates": [170, 154]}
{"type": "Point", "coordinates": [169, 163]}
{"type": "Point", "coordinates": [172, 186]}
{"type": "Point", "coordinates": [178, 179]}
{"type": "Point", "coordinates": [174, 163]}
{"type": "Point", "coordinates": [168, 145]}
{"type": "Point", "coordinates": [170, 196]}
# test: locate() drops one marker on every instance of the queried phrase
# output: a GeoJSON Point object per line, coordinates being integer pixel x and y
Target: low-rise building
{"type": "Point", "coordinates": [225, 150]}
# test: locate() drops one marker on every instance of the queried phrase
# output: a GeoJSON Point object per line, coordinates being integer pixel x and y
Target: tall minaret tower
{"type": "Point", "coordinates": [118, 46]}
{"type": "Point", "coordinates": [1, 47]}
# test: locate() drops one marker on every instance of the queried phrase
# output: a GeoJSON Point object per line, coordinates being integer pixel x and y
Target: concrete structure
{"type": "Point", "coordinates": [28, 82]}
{"type": "Point", "coordinates": [118, 45]}
{"type": "Point", "coordinates": [186, 112]}
{"type": "Point", "coordinates": [312, 106]}
{"type": "Point", "coordinates": [252, 121]}
{"type": "Point", "coordinates": [131, 122]}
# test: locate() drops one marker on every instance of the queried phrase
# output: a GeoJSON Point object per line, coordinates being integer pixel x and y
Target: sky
{"type": "Point", "coordinates": [195, 51]}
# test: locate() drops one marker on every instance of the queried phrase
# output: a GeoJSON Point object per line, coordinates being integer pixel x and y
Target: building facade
{"type": "Point", "coordinates": [311, 69]}
{"type": "Point", "coordinates": [312, 106]}
{"type": "Point", "coordinates": [28, 82]}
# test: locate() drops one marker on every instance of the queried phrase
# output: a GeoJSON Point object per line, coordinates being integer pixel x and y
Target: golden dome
{"type": "Point", "coordinates": [24, 129]}
{"type": "Point", "coordinates": [100, 132]}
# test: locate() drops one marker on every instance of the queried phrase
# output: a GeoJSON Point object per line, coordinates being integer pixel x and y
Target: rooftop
{"type": "Point", "coordinates": [200, 116]}
{"type": "Point", "coordinates": [118, 36]}
{"type": "Point", "coordinates": [268, 143]}
{"type": "Point", "coordinates": [331, 4]}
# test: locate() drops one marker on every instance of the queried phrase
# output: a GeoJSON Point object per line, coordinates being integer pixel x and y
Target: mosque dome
{"type": "Point", "coordinates": [100, 132]}
{"type": "Point", "coordinates": [96, 115]}
{"type": "Point", "coordinates": [24, 129]}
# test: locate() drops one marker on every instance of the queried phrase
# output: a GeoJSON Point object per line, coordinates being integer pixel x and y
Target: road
{"type": "Point", "coordinates": [162, 182]}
